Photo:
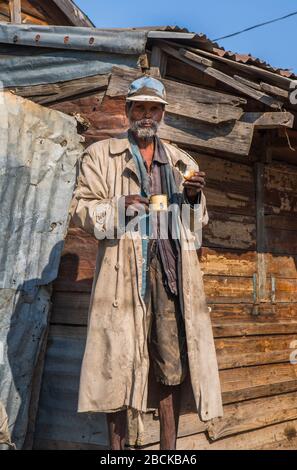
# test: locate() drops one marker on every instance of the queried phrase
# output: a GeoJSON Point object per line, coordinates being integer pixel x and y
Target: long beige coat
{"type": "Point", "coordinates": [115, 367]}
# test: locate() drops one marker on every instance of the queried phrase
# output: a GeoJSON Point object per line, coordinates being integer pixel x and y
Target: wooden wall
{"type": "Point", "coordinates": [36, 12]}
{"type": "Point", "coordinates": [249, 260]}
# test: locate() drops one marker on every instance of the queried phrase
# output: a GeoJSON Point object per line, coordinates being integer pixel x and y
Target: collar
{"type": "Point", "coordinates": [121, 143]}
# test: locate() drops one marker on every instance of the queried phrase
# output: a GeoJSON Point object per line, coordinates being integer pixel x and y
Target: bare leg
{"type": "Point", "coordinates": [117, 423]}
{"type": "Point", "coordinates": [169, 408]}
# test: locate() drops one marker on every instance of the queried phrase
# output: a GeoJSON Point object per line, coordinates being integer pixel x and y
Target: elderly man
{"type": "Point", "coordinates": [149, 326]}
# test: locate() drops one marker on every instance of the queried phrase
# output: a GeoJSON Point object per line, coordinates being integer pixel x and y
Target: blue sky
{"type": "Point", "coordinates": [274, 43]}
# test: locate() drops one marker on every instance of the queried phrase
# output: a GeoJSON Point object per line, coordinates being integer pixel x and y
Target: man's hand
{"type": "Point", "coordinates": [194, 184]}
{"type": "Point", "coordinates": [136, 202]}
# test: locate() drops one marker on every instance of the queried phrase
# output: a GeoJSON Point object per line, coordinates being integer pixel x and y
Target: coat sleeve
{"type": "Point", "coordinates": [91, 208]}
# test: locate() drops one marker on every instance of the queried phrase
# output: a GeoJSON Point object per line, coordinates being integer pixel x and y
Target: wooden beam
{"type": "Point", "coordinates": [158, 62]}
{"type": "Point", "coordinates": [250, 69]}
{"type": "Point", "coordinates": [274, 90]}
{"type": "Point", "coordinates": [238, 417]}
{"type": "Point", "coordinates": [269, 120]}
{"type": "Point", "coordinates": [247, 82]}
{"type": "Point", "coordinates": [196, 62]}
{"type": "Point", "coordinates": [73, 13]}
{"type": "Point", "coordinates": [254, 415]}
{"type": "Point", "coordinates": [54, 92]}
{"type": "Point", "coordinates": [230, 81]}
{"type": "Point", "coordinates": [15, 9]}
{"type": "Point", "coordinates": [233, 137]}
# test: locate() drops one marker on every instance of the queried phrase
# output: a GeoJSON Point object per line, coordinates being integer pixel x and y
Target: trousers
{"type": "Point", "coordinates": [167, 343]}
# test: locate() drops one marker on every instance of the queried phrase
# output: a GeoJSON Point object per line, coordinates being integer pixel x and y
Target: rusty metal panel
{"type": "Point", "coordinates": [39, 148]}
{"type": "Point", "coordinates": [119, 41]}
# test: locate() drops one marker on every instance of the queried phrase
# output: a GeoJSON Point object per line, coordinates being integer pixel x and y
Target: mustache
{"type": "Point", "coordinates": [146, 122]}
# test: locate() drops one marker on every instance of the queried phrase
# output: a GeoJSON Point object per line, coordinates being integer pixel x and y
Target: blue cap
{"type": "Point", "coordinates": [147, 89]}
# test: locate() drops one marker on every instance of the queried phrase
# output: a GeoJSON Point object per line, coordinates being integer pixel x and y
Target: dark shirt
{"type": "Point", "coordinates": [166, 247]}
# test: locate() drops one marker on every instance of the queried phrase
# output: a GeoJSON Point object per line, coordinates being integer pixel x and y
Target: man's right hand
{"type": "Point", "coordinates": [136, 201]}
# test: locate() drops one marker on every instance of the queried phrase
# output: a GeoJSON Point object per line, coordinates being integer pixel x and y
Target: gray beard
{"type": "Point", "coordinates": [144, 133]}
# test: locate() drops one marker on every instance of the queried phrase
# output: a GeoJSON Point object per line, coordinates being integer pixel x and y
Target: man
{"type": "Point", "coordinates": [149, 326]}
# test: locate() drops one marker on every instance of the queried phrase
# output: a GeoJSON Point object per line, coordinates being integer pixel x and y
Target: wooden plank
{"type": "Point", "coordinates": [228, 289]}
{"type": "Point", "coordinates": [183, 73]}
{"type": "Point", "coordinates": [270, 313]}
{"type": "Point", "coordinates": [269, 438]}
{"type": "Point", "coordinates": [229, 231]}
{"type": "Point", "coordinates": [233, 137]}
{"type": "Point", "coordinates": [246, 383]}
{"type": "Point", "coordinates": [71, 308]}
{"type": "Point", "coordinates": [274, 90]}
{"type": "Point", "coordinates": [280, 189]}
{"type": "Point", "coordinates": [269, 120]}
{"type": "Point", "coordinates": [281, 241]}
{"type": "Point", "coordinates": [150, 433]}
{"type": "Point", "coordinates": [158, 62]}
{"type": "Point", "coordinates": [229, 81]}
{"type": "Point", "coordinates": [282, 266]}
{"type": "Point", "coordinates": [259, 179]}
{"type": "Point", "coordinates": [222, 262]}
{"type": "Point", "coordinates": [253, 350]}
{"type": "Point", "coordinates": [247, 82]}
{"type": "Point", "coordinates": [238, 418]}
{"type": "Point", "coordinates": [73, 13]}
{"type": "Point", "coordinates": [53, 92]}
{"type": "Point", "coordinates": [253, 328]}
{"type": "Point", "coordinates": [29, 13]}
{"type": "Point", "coordinates": [230, 184]}
{"type": "Point", "coordinates": [285, 290]}
{"type": "Point", "coordinates": [15, 11]}
{"type": "Point", "coordinates": [109, 122]}
{"type": "Point", "coordinates": [195, 61]}
{"type": "Point", "coordinates": [77, 262]}
{"type": "Point", "coordinates": [252, 70]}
{"type": "Point", "coordinates": [254, 414]}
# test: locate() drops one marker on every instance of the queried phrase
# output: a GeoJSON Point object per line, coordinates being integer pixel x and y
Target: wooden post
{"type": "Point", "coordinates": [15, 8]}
{"type": "Point", "coordinates": [158, 62]}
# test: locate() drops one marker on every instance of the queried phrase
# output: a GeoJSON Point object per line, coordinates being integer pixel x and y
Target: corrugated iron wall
{"type": "Point", "coordinates": [39, 148]}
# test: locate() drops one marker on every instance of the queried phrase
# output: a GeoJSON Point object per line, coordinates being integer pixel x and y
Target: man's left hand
{"type": "Point", "coordinates": [194, 185]}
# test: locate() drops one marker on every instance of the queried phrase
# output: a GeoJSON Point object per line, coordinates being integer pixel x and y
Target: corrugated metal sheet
{"type": "Point", "coordinates": [35, 55]}
{"type": "Point", "coordinates": [58, 420]}
{"type": "Point", "coordinates": [75, 38]}
{"type": "Point", "coordinates": [27, 66]}
{"type": "Point", "coordinates": [39, 148]}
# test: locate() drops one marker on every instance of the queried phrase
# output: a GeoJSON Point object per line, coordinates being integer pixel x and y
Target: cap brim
{"type": "Point", "coordinates": [154, 99]}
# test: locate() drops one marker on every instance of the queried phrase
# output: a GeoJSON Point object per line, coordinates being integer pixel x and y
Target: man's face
{"type": "Point", "coordinates": [145, 118]}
